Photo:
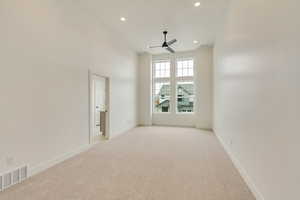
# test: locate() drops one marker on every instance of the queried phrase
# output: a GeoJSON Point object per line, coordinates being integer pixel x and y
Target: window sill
{"type": "Point", "coordinates": [185, 113]}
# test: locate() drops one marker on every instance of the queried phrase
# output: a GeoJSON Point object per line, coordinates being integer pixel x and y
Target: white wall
{"type": "Point", "coordinates": [145, 88]}
{"type": "Point", "coordinates": [47, 48]}
{"type": "Point", "coordinates": [202, 118]}
{"type": "Point", "coordinates": [257, 93]}
{"type": "Point", "coordinates": [204, 87]}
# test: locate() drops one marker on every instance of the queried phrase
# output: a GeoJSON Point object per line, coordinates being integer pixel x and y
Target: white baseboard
{"type": "Point", "coordinates": [117, 134]}
{"type": "Point", "coordinates": [175, 126]}
{"type": "Point", "coordinates": [204, 128]}
{"type": "Point", "coordinates": [241, 169]}
{"type": "Point", "coordinates": [33, 170]}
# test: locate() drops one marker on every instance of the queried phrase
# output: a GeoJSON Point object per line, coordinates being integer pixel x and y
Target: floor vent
{"type": "Point", "coordinates": [13, 177]}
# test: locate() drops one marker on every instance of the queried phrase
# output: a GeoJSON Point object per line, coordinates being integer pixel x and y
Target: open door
{"type": "Point", "coordinates": [98, 108]}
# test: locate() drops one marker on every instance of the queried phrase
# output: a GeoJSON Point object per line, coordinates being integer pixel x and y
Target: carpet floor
{"type": "Point", "coordinates": [147, 163]}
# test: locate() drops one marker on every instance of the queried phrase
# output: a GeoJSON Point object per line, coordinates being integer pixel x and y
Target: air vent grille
{"type": "Point", "coordinates": [7, 180]}
{"type": "Point", "coordinates": [16, 176]}
{"type": "Point", "coordinates": [13, 177]}
{"type": "Point", "coordinates": [23, 173]}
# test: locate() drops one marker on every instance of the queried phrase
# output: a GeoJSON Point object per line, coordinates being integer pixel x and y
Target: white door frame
{"type": "Point", "coordinates": [92, 77]}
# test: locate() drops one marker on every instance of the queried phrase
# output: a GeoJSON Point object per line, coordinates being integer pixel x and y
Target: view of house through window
{"type": "Point", "coordinates": [185, 97]}
{"type": "Point", "coordinates": [182, 80]}
{"type": "Point", "coordinates": [161, 86]}
{"type": "Point", "coordinates": [185, 86]}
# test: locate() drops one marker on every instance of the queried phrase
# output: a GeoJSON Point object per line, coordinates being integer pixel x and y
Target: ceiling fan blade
{"type": "Point", "coordinates": [151, 47]}
{"type": "Point", "coordinates": [171, 42]}
{"type": "Point", "coordinates": [170, 49]}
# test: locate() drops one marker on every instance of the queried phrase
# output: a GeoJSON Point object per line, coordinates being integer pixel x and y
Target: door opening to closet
{"type": "Point", "coordinates": [99, 111]}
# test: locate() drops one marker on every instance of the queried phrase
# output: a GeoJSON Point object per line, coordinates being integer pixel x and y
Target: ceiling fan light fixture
{"type": "Point", "coordinates": [123, 19]}
{"type": "Point", "coordinates": [166, 44]}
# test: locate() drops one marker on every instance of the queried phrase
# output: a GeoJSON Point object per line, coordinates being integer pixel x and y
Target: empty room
{"type": "Point", "coordinates": [149, 100]}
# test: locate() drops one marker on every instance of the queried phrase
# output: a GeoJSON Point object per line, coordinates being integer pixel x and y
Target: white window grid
{"type": "Point", "coordinates": [163, 73]}
{"type": "Point", "coordinates": [185, 68]}
{"type": "Point", "coordinates": [185, 75]}
{"type": "Point", "coordinates": [162, 69]}
{"type": "Point", "coordinates": [161, 80]}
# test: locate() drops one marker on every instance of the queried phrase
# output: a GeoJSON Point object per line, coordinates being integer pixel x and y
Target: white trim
{"type": "Point", "coordinates": [179, 117]}
{"type": "Point", "coordinates": [92, 76]}
{"type": "Point", "coordinates": [117, 134]}
{"type": "Point", "coordinates": [34, 170]}
{"type": "Point", "coordinates": [160, 80]}
{"type": "Point", "coordinates": [173, 126]}
{"type": "Point", "coordinates": [50, 163]}
{"type": "Point", "coordinates": [204, 127]}
{"type": "Point", "coordinates": [241, 169]}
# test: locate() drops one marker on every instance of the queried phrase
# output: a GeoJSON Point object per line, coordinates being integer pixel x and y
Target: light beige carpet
{"type": "Point", "coordinates": [147, 163]}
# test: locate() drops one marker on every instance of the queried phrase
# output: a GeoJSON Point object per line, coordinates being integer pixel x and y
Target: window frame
{"type": "Point", "coordinates": [173, 80]}
{"type": "Point", "coordinates": [161, 80]}
{"type": "Point", "coordinates": [178, 79]}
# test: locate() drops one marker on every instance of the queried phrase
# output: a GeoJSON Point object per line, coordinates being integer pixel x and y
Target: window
{"type": "Point", "coordinates": [162, 69]}
{"type": "Point", "coordinates": [185, 68]}
{"type": "Point", "coordinates": [185, 86]}
{"type": "Point", "coordinates": [161, 86]}
{"type": "Point", "coordinates": [173, 83]}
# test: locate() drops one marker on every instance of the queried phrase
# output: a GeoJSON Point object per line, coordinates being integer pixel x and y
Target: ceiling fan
{"type": "Point", "coordinates": [166, 45]}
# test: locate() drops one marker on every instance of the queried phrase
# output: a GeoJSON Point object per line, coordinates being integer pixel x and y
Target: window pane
{"type": "Point", "coordinates": [157, 73]}
{"type": "Point", "coordinates": [185, 97]}
{"type": "Point", "coordinates": [185, 73]}
{"type": "Point", "coordinates": [161, 97]}
{"type": "Point", "coordinates": [179, 69]}
{"type": "Point", "coordinates": [185, 68]}
{"type": "Point", "coordinates": [167, 69]}
{"type": "Point", "coordinates": [162, 69]}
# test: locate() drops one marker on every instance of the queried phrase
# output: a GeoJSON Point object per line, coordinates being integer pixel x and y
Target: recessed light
{"type": "Point", "coordinates": [123, 19]}
{"type": "Point", "coordinates": [197, 4]}
{"type": "Point", "coordinates": [195, 42]}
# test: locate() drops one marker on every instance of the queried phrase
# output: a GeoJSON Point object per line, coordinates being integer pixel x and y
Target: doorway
{"type": "Point", "coordinates": [99, 108]}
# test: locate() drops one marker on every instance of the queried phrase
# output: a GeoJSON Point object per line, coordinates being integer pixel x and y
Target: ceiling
{"type": "Point", "coordinates": [146, 19]}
